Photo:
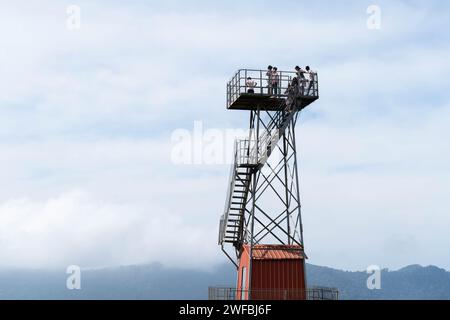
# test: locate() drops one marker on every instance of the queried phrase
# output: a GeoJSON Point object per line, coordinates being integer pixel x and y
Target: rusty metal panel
{"type": "Point", "coordinates": [277, 252]}
{"type": "Point", "coordinates": [277, 273]}
{"type": "Point", "coordinates": [278, 279]}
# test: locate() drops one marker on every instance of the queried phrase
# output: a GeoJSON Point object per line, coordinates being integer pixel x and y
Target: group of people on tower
{"type": "Point", "coordinates": [305, 80]}
{"type": "Point", "coordinates": [273, 80]}
{"type": "Point", "coordinates": [301, 84]}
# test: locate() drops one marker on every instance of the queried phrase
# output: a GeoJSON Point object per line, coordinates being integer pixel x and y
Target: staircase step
{"type": "Point", "coordinates": [246, 165]}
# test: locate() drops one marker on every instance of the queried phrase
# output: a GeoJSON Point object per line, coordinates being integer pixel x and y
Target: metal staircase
{"type": "Point", "coordinates": [248, 158]}
{"type": "Point", "coordinates": [231, 223]}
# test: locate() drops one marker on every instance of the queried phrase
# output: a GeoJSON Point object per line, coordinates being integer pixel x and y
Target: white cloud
{"type": "Point", "coordinates": [92, 110]}
{"type": "Point", "coordinates": [74, 228]}
{"type": "Point", "coordinates": [368, 187]}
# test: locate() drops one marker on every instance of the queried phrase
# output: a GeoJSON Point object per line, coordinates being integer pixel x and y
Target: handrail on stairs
{"type": "Point", "coordinates": [232, 178]}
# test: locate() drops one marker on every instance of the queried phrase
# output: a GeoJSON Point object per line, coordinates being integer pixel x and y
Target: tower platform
{"type": "Point", "coordinates": [265, 95]}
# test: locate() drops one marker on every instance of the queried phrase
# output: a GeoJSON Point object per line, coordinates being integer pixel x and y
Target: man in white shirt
{"type": "Point", "coordinates": [301, 79]}
{"type": "Point", "coordinates": [311, 80]}
{"type": "Point", "coordinates": [251, 84]}
{"type": "Point", "coordinates": [275, 80]}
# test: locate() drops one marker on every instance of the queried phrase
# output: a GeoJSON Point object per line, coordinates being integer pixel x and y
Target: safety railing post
{"type": "Point", "coordinates": [280, 84]}
{"type": "Point", "coordinates": [260, 82]}
{"type": "Point", "coordinates": [245, 80]}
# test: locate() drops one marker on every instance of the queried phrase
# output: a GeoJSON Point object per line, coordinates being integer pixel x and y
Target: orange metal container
{"type": "Point", "coordinates": [277, 273]}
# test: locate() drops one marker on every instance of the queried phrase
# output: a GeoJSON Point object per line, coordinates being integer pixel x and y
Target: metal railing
{"type": "Point", "coordinates": [251, 153]}
{"type": "Point", "coordinates": [243, 153]}
{"type": "Point", "coordinates": [265, 84]}
{"type": "Point", "coordinates": [315, 293]}
{"type": "Point", "coordinates": [248, 153]}
{"type": "Point", "coordinates": [241, 157]}
{"type": "Point", "coordinates": [231, 181]}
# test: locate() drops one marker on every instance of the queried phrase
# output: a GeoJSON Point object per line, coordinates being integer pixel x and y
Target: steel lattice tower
{"type": "Point", "coordinates": [262, 218]}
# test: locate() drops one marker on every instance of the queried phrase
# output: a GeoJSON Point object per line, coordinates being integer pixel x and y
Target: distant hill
{"type": "Point", "coordinates": [409, 283]}
{"type": "Point", "coordinates": [157, 282]}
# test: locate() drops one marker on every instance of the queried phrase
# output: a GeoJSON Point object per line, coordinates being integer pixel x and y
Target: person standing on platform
{"type": "Point", "coordinates": [292, 93]}
{"type": "Point", "coordinates": [250, 84]}
{"type": "Point", "coordinates": [301, 79]}
{"type": "Point", "coordinates": [275, 80]}
{"type": "Point", "coordinates": [311, 80]}
{"type": "Point", "coordinates": [269, 79]}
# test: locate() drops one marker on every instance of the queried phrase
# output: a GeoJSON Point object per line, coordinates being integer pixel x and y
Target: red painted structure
{"type": "Point", "coordinates": [278, 273]}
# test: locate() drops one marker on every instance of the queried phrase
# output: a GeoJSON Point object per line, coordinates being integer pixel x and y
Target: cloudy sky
{"type": "Point", "coordinates": [87, 117]}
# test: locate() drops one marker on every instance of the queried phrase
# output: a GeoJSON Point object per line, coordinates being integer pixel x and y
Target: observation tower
{"type": "Point", "coordinates": [261, 228]}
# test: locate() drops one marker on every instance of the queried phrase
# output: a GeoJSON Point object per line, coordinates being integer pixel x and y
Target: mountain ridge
{"type": "Point", "coordinates": [154, 281]}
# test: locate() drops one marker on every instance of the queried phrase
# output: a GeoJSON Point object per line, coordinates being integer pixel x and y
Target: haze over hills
{"type": "Point", "coordinates": [157, 282]}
